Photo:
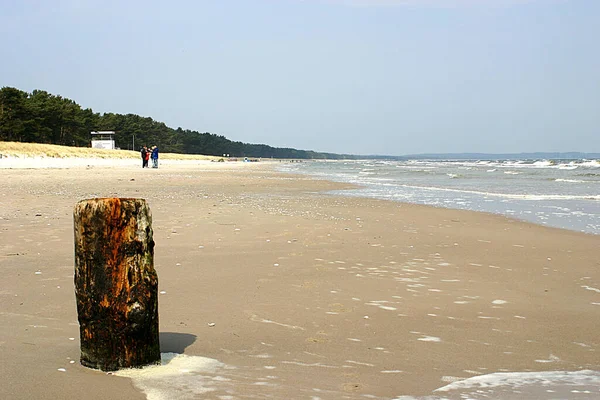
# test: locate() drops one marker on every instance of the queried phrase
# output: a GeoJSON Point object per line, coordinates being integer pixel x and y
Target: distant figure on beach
{"type": "Point", "coordinates": [154, 157]}
{"type": "Point", "coordinates": [145, 156]}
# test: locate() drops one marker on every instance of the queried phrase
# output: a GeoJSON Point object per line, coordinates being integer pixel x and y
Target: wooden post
{"type": "Point", "coordinates": [115, 284]}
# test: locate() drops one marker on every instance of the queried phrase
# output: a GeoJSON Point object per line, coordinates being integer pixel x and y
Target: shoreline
{"type": "Point", "coordinates": [41, 162]}
{"type": "Point", "coordinates": [576, 212]}
{"type": "Point", "coordinates": [309, 293]}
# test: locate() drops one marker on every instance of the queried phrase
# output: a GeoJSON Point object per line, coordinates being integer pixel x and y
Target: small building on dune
{"type": "Point", "coordinates": [103, 140]}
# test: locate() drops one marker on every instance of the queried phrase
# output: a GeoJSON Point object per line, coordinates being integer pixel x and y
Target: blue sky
{"type": "Point", "coordinates": [346, 76]}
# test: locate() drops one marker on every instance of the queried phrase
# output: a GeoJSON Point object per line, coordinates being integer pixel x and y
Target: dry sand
{"type": "Point", "coordinates": [311, 295]}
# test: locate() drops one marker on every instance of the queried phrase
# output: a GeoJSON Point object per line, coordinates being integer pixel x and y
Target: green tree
{"type": "Point", "coordinates": [46, 118]}
{"type": "Point", "coordinates": [13, 114]}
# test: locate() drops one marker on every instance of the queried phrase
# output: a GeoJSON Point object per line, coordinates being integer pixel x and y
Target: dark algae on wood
{"type": "Point", "coordinates": [116, 285]}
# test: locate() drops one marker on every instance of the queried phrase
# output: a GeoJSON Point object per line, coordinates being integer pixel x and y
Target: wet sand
{"type": "Point", "coordinates": [296, 294]}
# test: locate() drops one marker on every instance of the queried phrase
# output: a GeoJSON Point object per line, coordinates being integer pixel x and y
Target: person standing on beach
{"type": "Point", "coordinates": [144, 153]}
{"type": "Point", "coordinates": [154, 157]}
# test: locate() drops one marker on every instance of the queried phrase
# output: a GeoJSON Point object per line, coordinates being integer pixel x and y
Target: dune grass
{"type": "Point", "coordinates": [24, 150]}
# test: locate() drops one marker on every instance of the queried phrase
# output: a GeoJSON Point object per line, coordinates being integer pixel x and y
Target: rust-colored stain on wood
{"type": "Point", "coordinates": [116, 285]}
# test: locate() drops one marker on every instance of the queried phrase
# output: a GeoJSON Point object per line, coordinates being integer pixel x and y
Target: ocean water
{"type": "Point", "coordinates": [557, 193]}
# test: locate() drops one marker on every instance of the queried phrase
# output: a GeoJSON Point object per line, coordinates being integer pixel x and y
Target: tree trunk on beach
{"type": "Point", "coordinates": [115, 284]}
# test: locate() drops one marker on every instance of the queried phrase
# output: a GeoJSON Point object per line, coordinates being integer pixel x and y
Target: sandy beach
{"type": "Point", "coordinates": [272, 288]}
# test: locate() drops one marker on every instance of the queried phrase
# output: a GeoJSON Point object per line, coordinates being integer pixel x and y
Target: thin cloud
{"type": "Point", "coordinates": [430, 3]}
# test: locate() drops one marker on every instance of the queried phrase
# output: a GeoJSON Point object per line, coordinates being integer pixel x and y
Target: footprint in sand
{"type": "Point", "coordinates": [317, 340]}
{"type": "Point", "coordinates": [320, 337]}
{"type": "Point", "coordinates": [352, 387]}
{"type": "Point", "coordinates": [339, 308]}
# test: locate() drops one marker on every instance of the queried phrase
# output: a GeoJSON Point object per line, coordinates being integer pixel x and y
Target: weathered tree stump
{"type": "Point", "coordinates": [116, 284]}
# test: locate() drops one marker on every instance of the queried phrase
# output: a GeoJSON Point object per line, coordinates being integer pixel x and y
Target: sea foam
{"type": "Point", "coordinates": [546, 385]}
{"type": "Point", "coordinates": [178, 377]}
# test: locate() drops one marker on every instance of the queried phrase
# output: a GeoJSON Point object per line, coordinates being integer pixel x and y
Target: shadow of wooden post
{"type": "Point", "coordinates": [116, 285]}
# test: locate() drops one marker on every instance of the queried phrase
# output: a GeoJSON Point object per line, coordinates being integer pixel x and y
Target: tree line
{"type": "Point", "coordinates": [41, 117]}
